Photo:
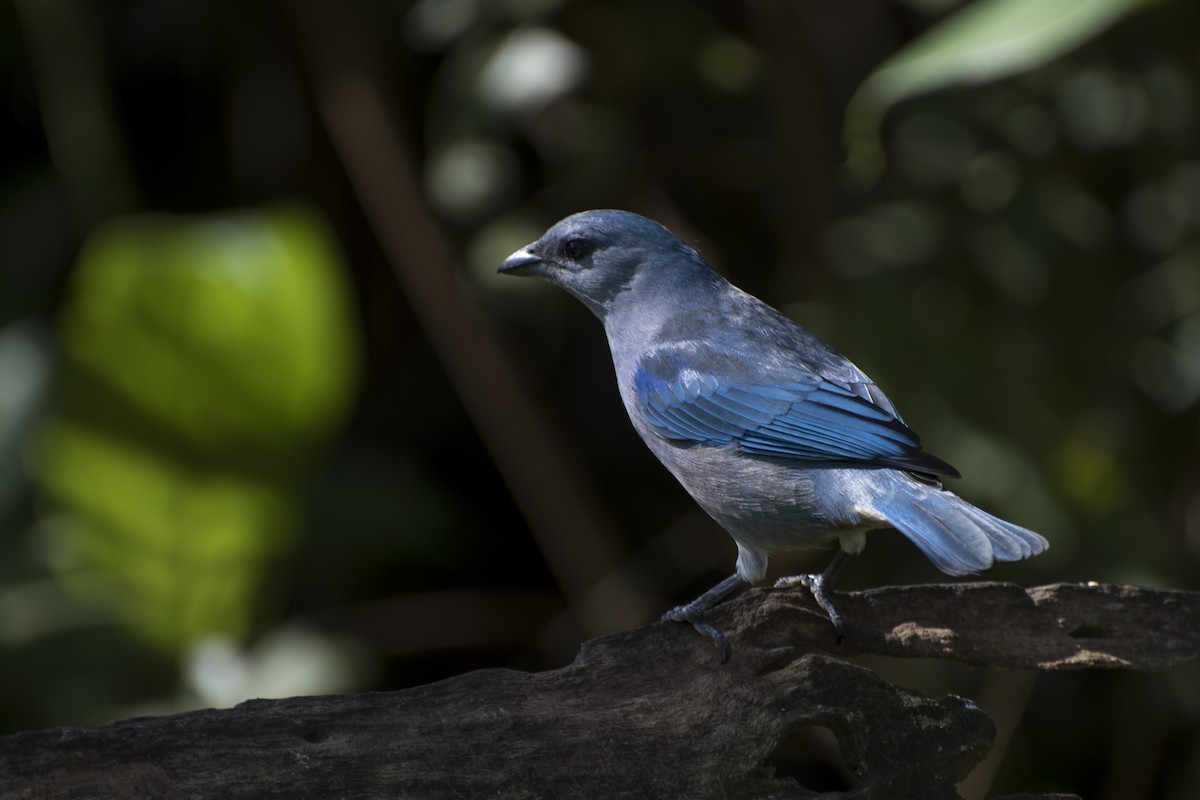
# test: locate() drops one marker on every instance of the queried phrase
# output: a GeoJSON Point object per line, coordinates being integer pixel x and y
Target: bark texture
{"type": "Point", "coordinates": [647, 713]}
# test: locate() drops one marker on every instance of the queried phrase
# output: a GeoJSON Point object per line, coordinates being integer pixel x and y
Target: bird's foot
{"type": "Point", "coordinates": [694, 615]}
{"type": "Point", "coordinates": [816, 585]}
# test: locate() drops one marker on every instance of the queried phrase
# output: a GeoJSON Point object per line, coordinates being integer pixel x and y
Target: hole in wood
{"type": "Point", "coordinates": [313, 735]}
{"type": "Point", "coordinates": [1089, 632]}
{"type": "Point", "coordinates": [810, 755]}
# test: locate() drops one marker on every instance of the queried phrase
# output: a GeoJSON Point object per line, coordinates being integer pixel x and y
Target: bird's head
{"type": "Point", "coordinates": [598, 255]}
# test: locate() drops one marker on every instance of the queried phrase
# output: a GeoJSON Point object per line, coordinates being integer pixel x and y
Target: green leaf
{"type": "Point", "coordinates": [206, 360]}
{"type": "Point", "coordinates": [229, 331]}
{"type": "Point", "coordinates": [986, 41]}
{"type": "Point", "coordinates": [175, 552]}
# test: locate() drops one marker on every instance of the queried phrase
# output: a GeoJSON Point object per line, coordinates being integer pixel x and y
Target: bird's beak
{"type": "Point", "coordinates": [523, 262]}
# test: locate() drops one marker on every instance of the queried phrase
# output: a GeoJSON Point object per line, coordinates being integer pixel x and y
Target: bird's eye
{"type": "Point", "coordinates": [576, 249]}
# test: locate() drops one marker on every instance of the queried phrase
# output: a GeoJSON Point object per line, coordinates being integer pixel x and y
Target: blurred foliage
{"type": "Point", "coordinates": [197, 493]}
{"type": "Point", "coordinates": [203, 362]}
{"type": "Point", "coordinates": [988, 40]}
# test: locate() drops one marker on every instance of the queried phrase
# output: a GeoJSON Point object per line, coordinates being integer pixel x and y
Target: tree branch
{"type": "Point", "coordinates": [1059, 626]}
{"type": "Point", "coordinates": [647, 713]}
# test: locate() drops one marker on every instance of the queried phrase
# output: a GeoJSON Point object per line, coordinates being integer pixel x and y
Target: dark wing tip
{"type": "Point", "coordinates": [924, 463]}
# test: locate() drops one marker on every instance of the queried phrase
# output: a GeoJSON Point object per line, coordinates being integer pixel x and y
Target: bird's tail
{"type": "Point", "coordinates": [956, 536]}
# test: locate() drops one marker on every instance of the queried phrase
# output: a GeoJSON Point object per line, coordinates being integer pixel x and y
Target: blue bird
{"type": "Point", "coordinates": [779, 437]}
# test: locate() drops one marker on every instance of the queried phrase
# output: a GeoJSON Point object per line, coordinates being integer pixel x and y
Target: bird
{"type": "Point", "coordinates": [776, 435]}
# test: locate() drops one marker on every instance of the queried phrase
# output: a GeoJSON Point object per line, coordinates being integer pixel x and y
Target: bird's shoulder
{"type": "Point", "coordinates": [740, 341]}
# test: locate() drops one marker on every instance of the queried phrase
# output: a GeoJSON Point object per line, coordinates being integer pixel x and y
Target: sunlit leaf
{"type": "Point", "coordinates": [228, 331]}
{"type": "Point", "coordinates": [986, 41]}
{"type": "Point", "coordinates": [205, 359]}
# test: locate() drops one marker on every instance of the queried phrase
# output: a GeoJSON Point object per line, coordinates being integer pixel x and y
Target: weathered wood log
{"type": "Point", "coordinates": [1060, 626]}
{"type": "Point", "coordinates": [647, 713]}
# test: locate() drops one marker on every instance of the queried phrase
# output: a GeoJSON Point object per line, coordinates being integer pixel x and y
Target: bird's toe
{"type": "Point", "coordinates": [699, 620]}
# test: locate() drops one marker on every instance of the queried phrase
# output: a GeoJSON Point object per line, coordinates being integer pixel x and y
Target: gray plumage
{"type": "Point", "coordinates": [780, 438]}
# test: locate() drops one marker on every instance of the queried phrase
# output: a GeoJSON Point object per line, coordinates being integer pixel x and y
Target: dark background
{"type": "Point", "coordinates": [270, 424]}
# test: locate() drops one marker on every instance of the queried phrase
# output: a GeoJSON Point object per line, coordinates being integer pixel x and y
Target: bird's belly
{"type": "Point", "coordinates": [773, 505]}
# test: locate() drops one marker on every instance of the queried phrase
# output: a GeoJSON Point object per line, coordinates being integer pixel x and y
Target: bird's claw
{"type": "Point", "coordinates": [698, 620]}
{"type": "Point", "coordinates": [816, 586]}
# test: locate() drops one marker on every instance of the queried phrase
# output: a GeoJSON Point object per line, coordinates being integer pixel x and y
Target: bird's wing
{"type": "Point", "coordinates": [802, 416]}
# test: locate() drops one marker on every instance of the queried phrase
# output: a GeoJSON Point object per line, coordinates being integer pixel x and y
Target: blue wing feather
{"type": "Point", "coordinates": [806, 418]}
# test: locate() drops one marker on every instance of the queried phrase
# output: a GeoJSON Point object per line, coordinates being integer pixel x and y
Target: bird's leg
{"type": "Point", "coordinates": [694, 613]}
{"type": "Point", "coordinates": [819, 584]}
